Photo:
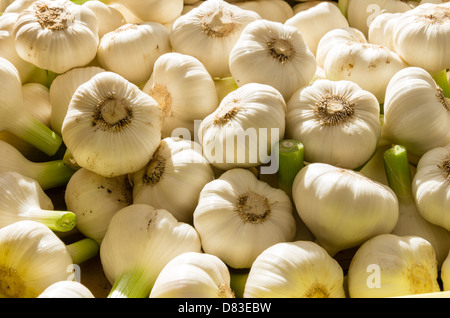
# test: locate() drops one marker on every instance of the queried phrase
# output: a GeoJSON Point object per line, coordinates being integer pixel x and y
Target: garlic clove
{"type": "Point", "coordinates": [299, 269]}
{"type": "Point", "coordinates": [277, 55]}
{"type": "Point", "coordinates": [111, 126]}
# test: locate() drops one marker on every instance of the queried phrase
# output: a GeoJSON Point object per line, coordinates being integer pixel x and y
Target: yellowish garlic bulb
{"type": "Point", "coordinates": [111, 126]}
{"type": "Point", "coordinates": [184, 90]}
{"type": "Point", "coordinates": [388, 265]}
{"type": "Point", "coordinates": [56, 35]}
{"type": "Point", "coordinates": [95, 199]}
{"type": "Point", "coordinates": [160, 11]}
{"type": "Point", "coordinates": [177, 166]}
{"type": "Point", "coordinates": [66, 289]}
{"type": "Point", "coordinates": [299, 6]}
{"type": "Point", "coordinates": [209, 32]}
{"type": "Point", "coordinates": [132, 49]}
{"type": "Point", "coordinates": [274, 54]}
{"type": "Point", "coordinates": [32, 258]}
{"type": "Point", "coordinates": [238, 216]}
{"type": "Point", "coordinates": [445, 274]}
{"type": "Point", "coordinates": [193, 275]}
{"type": "Point", "coordinates": [342, 207]}
{"type": "Point", "coordinates": [316, 21]}
{"type": "Point", "coordinates": [108, 17]}
{"type": "Point", "coordinates": [272, 10]}
{"type": "Point", "coordinates": [299, 269]}
{"type": "Point", "coordinates": [245, 127]}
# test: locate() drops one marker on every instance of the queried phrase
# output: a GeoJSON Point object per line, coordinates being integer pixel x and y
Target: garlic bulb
{"type": "Point", "coordinates": [56, 35]}
{"type": "Point", "coordinates": [272, 10]}
{"type": "Point", "coordinates": [193, 275]}
{"type": "Point", "coordinates": [138, 244]}
{"type": "Point", "coordinates": [253, 112]}
{"type": "Point", "coordinates": [371, 66]}
{"type": "Point", "coordinates": [299, 269]}
{"type": "Point", "coordinates": [111, 126]}
{"type": "Point", "coordinates": [431, 186]}
{"type": "Point", "coordinates": [209, 32]}
{"type": "Point", "coordinates": [62, 89]}
{"type": "Point", "coordinates": [337, 122]}
{"type": "Point", "coordinates": [184, 90]}
{"type": "Point", "coordinates": [132, 49]}
{"type": "Point", "coordinates": [300, 6]}
{"type": "Point", "coordinates": [316, 21]}
{"type": "Point", "coordinates": [108, 17]}
{"type": "Point", "coordinates": [66, 289]}
{"type": "Point", "coordinates": [8, 50]}
{"type": "Point", "coordinates": [177, 166]}
{"type": "Point", "coordinates": [360, 13]}
{"type": "Point", "coordinates": [17, 6]}
{"type": "Point", "coordinates": [276, 54]}
{"type": "Point", "coordinates": [342, 207]}
{"type": "Point", "coordinates": [160, 11]}
{"type": "Point", "coordinates": [238, 216]}
{"type": "Point", "coordinates": [95, 199]}
{"type": "Point", "coordinates": [389, 265]}
{"type": "Point", "coordinates": [381, 30]}
{"type": "Point", "coordinates": [416, 112]}
{"type": "Point", "coordinates": [32, 258]}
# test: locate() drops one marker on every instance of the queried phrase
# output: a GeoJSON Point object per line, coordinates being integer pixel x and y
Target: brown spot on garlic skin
{"type": "Point", "coordinates": [218, 24]}
{"type": "Point", "coordinates": [281, 49]}
{"type": "Point", "coordinates": [52, 18]}
{"type": "Point", "coordinates": [162, 96]}
{"type": "Point", "coordinates": [112, 114]}
{"type": "Point", "coordinates": [226, 113]}
{"type": "Point", "coordinates": [436, 15]}
{"type": "Point", "coordinates": [317, 291]}
{"type": "Point", "coordinates": [154, 170]}
{"type": "Point", "coordinates": [442, 99]}
{"type": "Point", "coordinates": [253, 208]}
{"type": "Point", "coordinates": [445, 167]}
{"type": "Point", "coordinates": [12, 285]}
{"type": "Point", "coordinates": [333, 110]}
{"type": "Point", "coordinates": [419, 279]}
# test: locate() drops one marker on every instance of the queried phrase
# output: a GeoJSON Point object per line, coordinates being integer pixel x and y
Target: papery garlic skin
{"type": "Point", "coordinates": [316, 21]}
{"type": "Point", "coordinates": [32, 258]}
{"type": "Point", "coordinates": [67, 41]}
{"type": "Point", "coordinates": [111, 126]}
{"type": "Point", "coordinates": [388, 265]}
{"type": "Point", "coordinates": [381, 30]}
{"type": "Point", "coordinates": [420, 36]}
{"type": "Point", "coordinates": [193, 275]}
{"type": "Point", "coordinates": [337, 121]}
{"type": "Point", "coordinates": [239, 216]}
{"type": "Point", "coordinates": [254, 114]}
{"type": "Point", "coordinates": [132, 49]}
{"type": "Point", "coordinates": [143, 238]}
{"type": "Point", "coordinates": [299, 269]}
{"type": "Point", "coordinates": [95, 200]}
{"type": "Point", "coordinates": [109, 18]}
{"type": "Point", "coordinates": [431, 186]}
{"type": "Point", "coordinates": [272, 10]}
{"type": "Point", "coordinates": [184, 90]}
{"type": "Point", "coordinates": [177, 166]}
{"type": "Point", "coordinates": [416, 112]}
{"type": "Point", "coordinates": [274, 54]}
{"type": "Point", "coordinates": [342, 207]}
{"type": "Point", "coordinates": [209, 32]}
{"type": "Point", "coordinates": [66, 289]}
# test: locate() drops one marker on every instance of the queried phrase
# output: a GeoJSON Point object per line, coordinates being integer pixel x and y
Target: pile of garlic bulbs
{"type": "Point", "coordinates": [224, 149]}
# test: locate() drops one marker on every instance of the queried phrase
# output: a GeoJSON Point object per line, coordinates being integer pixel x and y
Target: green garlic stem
{"type": "Point", "coordinates": [69, 160]}
{"type": "Point", "coordinates": [37, 134]}
{"type": "Point", "coordinates": [291, 154]}
{"type": "Point", "coordinates": [83, 250]}
{"type": "Point", "coordinates": [238, 278]}
{"type": "Point", "coordinates": [442, 81]}
{"type": "Point", "coordinates": [398, 172]}
{"type": "Point", "coordinates": [52, 174]}
{"type": "Point", "coordinates": [41, 76]}
{"type": "Point", "coordinates": [131, 285]}
{"type": "Point", "coordinates": [343, 6]}
{"type": "Point", "coordinates": [60, 221]}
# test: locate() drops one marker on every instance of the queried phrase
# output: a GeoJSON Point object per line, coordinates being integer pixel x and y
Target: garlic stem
{"type": "Point", "coordinates": [82, 250]}
{"type": "Point", "coordinates": [442, 81]}
{"type": "Point", "coordinates": [52, 174]}
{"type": "Point", "coordinates": [343, 6]}
{"type": "Point", "coordinates": [291, 154]}
{"type": "Point", "coordinates": [37, 134]}
{"type": "Point", "coordinates": [238, 278]}
{"type": "Point", "coordinates": [60, 221]}
{"type": "Point", "coordinates": [130, 285]}
{"type": "Point", "coordinates": [70, 161]}
{"type": "Point", "coordinates": [398, 172]}
{"type": "Point", "coordinates": [42, 76]}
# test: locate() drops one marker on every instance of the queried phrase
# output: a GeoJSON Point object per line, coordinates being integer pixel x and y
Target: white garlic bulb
{"type": "Point", "coordinates": [160, 11]}
{"type": "Point", "coordinates": [272, 10]}
{"type": "Point", "coordinates": [316, 21]}
{"type": "Point", "coordinates": [209, 32]}
{"type": "Point", "coordinates": [111, 126]}
{"type": "Point", "coordinates": [431, 186]}
{"type": "Point", "coordinates": [245, 127]}
{"type": "Point", "coordinates": [337, 121]}
{"type": "Point", "coordinates": [193, 275]}
{"type": "Point", "coordinates": [416, 112]}
{"type": "Point", "coordinates": [388, 265]}
{"type": "Point", "coordinates": [184, 90]}
{"type": "Point", "coordinates": [342, 207]}
{"type": "Point", "coordinates": [108, 17]}
{"type": "Point", "coordinates": [132, 49]}
{"type": "Point", "coordinates": [177, 166]}
{"type": "Point", "coordinates": [95, 199]}
{"type": "Point", "coordinates": [66, 289]}
{"type": "Point", "coordinates": [238, 216]}
{"type": "Point", "coordinates": [56, 35]}
{"type": "Point", "coordinates": [381, 30]}
{"type": "Point", "coordinates": [274, 54]}
{"type": "Point", "coordinates": [299, 269]}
